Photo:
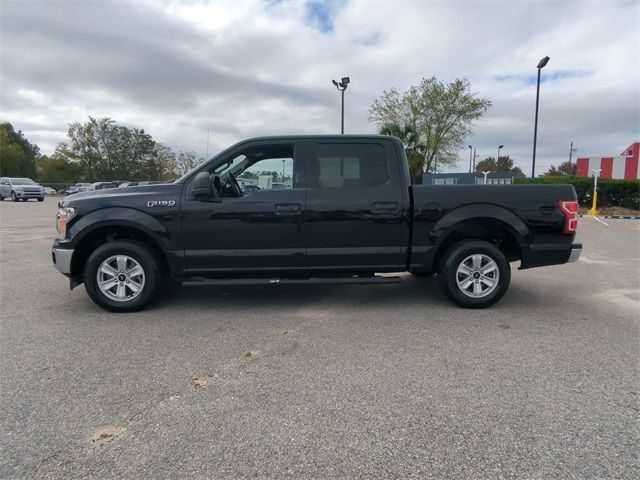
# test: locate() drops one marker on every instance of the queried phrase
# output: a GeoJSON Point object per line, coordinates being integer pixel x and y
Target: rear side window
{"type": "Point", "coordinates": [339, 165]}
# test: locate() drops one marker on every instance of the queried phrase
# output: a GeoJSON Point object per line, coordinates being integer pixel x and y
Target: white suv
{"type": "Point", "coordinates": [20, 189]}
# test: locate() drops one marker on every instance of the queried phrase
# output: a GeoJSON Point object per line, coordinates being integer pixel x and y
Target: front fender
{"type": "Point", "coordinates": [121, 217]}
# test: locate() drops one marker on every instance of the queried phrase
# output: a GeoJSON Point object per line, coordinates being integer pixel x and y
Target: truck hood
{"type": "Point", "coordinates": [124, 197]}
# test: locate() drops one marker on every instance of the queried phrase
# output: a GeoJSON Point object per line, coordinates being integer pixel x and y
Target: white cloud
{"type": "Point", "coordinates": [251, 68]}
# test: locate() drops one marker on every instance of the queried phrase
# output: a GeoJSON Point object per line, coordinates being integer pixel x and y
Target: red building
{"type": "Point", "coordinates": [624, 166]}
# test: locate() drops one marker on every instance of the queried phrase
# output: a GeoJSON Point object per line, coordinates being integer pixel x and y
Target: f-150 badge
{"type": "Point", "coordinates": [161, 203]}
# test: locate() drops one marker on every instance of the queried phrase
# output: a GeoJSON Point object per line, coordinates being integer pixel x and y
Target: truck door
{"type": "Point", "coordinates": [257, 230]}
{"type": "Point", "coordinates": [357, 214]}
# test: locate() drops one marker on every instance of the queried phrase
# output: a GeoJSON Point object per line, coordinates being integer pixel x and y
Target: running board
{"type": "Point", "coordinates": [292, 281]}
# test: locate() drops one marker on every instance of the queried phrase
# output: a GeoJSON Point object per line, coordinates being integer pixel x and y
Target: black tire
{"type": "Point", "coordinates": [136, 251]}
{"type": "Point", "coordinates": [14, 197]}
{"type": "Point", "coordinates": [448, 274]}
{"type": "Point", "coordinates": [41, 199]}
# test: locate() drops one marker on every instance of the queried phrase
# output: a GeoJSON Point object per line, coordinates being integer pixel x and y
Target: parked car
{"type": "Point", "coordinates": [102, 185]}
{"type": "Point", "coordinates": [78, 188]}
{"type": "Point", "coordinates": [20, 189]}
{"type": "Point", "coordinates": [50, 191]}
{"type": "Point", "coordinates": [151, 182]}
{"type": "Point", "coordinates": [127, 184]}
{"type": "Point", "coordinates": [352, 213]}
{"type": "Point", "coordinates": [251, 188]}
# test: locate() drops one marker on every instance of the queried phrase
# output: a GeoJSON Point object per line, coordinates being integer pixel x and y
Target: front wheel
{"type": "Point", "coordinates": [41, 199]}
{"type": "Point", "coordinates": [14, 197]}
{"type": "Point", "coordinates": [122, 276]}
{"type": "Point", "coordinates": [474, 274]}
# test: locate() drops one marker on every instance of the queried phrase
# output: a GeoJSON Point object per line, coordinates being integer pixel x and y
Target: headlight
{"type": "Point", "coordinates": [65, 214]}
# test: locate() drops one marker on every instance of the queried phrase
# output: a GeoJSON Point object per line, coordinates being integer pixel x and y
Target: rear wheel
{"type": "Point", "coordinates": [122, 276]}
{"type": "Point", "coordinates": [474, 274]}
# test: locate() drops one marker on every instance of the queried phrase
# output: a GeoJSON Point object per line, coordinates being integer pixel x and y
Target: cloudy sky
{"type": "Point", "coordinates": [248, 68]}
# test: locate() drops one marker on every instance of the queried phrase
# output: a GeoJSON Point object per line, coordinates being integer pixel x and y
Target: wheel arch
{"type": "Point", "coordinates": [492, 223]}
{"type": "Point", "coordinates": [95, 233]}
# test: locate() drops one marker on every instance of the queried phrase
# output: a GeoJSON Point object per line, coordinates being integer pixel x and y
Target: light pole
{"type": "Point", "coordinates": [470, 160]}
{"type": "Point", "coordinates": [342, 86]}
{"type": "Point", "coordinates": [283, 171]}
{"type": "Point", "coordinates": [500, 147]}
{"type": "Point", "coordinates": [541, 65]}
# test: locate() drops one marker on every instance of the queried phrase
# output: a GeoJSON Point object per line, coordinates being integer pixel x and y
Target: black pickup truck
{"type": "Point", "coordinates": [310, 209]}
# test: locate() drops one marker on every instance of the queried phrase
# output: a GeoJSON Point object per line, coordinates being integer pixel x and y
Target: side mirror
{"type": "Point", "coordinates": [201, 187]}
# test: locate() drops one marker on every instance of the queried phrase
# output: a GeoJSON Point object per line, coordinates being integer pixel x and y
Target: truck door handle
{"type": "Point", "coordinates": [385, 207]}
{"type": "Point", "coordinates": [288, 209]}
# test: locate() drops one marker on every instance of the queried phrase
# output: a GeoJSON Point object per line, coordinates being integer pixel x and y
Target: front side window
{"type": "Point", "coordinates": [342, 165]}
{"type": "Point", "coordinates": [259, 168]}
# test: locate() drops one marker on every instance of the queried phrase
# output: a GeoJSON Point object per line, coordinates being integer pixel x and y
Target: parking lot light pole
{"type": "Point", "coordinates": [470, 159]}
{"type": "Point", "coordinates": [500, 147]}
{"type": "Point", "coordinates": [541, 64]}
{"type": "Point", "coordinates": [342, 86]}
{"type": "Point", "coordinates": [594, 204]}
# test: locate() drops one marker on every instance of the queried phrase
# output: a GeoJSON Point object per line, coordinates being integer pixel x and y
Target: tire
{"type": "Point", "coordinates": [121, 297]}
{"type": "Point", "coordinates": [41, 199]}
{"type": "Point", "coordinates": [489, 277]}
{"type": "Point", "coordinates": [14, 197]}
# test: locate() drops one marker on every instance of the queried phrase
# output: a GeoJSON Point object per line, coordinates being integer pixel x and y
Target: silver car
{"type": "Point", "coordinates": [20, 189]}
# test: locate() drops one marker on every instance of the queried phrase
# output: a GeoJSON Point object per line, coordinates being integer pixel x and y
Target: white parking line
{"type": "Point", "coordinates": [601, 221]}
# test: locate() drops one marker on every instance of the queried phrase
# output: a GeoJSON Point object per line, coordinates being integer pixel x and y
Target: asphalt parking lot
{"type": "Point", "coordinates": [322, 381]}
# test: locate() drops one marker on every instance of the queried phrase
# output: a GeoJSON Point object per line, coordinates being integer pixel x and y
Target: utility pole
{"type": "Point", "coordinates": [572, 150]}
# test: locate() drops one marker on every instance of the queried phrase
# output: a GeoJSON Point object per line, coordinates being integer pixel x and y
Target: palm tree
{"type": "Point", "coordinates": [414, 150]}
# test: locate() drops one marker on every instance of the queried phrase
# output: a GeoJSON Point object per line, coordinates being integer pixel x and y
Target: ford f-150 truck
{"type": "Point", "coordinates": [344, 211]}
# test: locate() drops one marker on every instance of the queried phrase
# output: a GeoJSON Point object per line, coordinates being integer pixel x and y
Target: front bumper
{"type": "Point", "coordinates": [62, 259]}
{"type": "Point", "coordinates": [29, 194]}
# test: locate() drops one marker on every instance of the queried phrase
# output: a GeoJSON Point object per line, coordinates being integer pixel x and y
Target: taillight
{"type": "Point", "coordinates": [570, 211]}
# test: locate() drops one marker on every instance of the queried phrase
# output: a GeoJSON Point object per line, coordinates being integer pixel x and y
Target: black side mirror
{"type": "Point", "coordinates": [201, 187]}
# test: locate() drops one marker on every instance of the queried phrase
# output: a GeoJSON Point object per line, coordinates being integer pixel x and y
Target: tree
{"type": "Point", "coordinates": [441, 115]}
{"type": "Point", "coordinates": [565, 169]}
{"type": "Point", "coordinates": [17, 155]}
{"type": "Point", "coordinates": [108, 151]}
{"type": "Point", "coordinates": [504, 164]}
{"type": "Point", "coordinates": [57, 170]}
{"type": "Point", "coordinates": [187, 161]}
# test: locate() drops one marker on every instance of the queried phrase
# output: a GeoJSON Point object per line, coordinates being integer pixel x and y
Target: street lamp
{"type": "Point", "coordinates": [500, 147]}
{"type": "Point", "coordinates": [541, 65]}
{"type": "Point", "coordinates": [342, 86]}
{"type": "Point", "coordinates": [470, 159]}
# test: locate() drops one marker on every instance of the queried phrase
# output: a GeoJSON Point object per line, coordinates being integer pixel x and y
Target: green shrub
{"type": "Point", "coordinates": [611, 193]}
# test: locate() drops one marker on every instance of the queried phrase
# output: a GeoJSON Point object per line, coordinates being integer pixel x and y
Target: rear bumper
{"type": "Point", "coordinates": [544, 254]}
{"type": "Point", "coordinates": [576, 251]}
{"type": "Point", "coordinates": [62, 260]}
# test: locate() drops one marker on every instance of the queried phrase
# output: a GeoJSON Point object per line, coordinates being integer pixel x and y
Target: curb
{"type": "Point", "coordinates": [626, 217]}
